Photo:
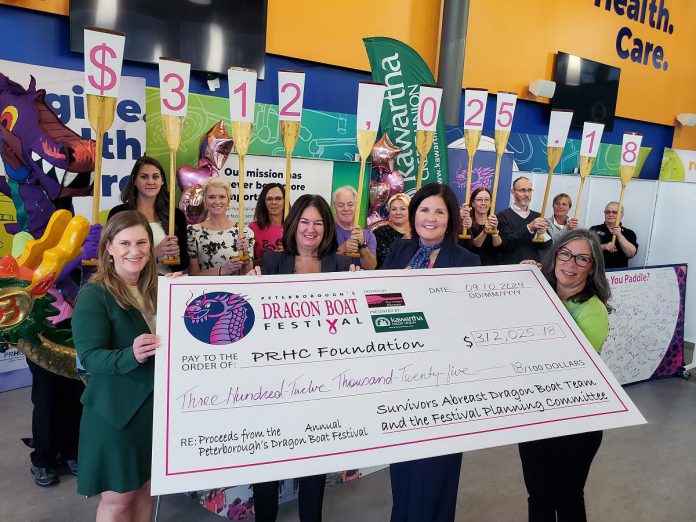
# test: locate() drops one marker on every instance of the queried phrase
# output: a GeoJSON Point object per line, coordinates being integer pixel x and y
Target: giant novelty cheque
{"type": "Point", "coordinates": [262, 378]}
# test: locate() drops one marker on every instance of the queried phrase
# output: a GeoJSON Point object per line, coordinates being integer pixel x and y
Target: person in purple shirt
{"type": "Point", "coordinates": [352, 240]}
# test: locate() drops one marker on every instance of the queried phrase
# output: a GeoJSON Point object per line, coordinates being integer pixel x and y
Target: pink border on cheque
{"type": "Point", "coordinates": [168, 473]}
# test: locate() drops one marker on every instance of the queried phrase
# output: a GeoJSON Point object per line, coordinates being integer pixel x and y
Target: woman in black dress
{"type": "Point", "coordinates": [396, 227]}
{"type": "Point", "coordinates": [486, 246]}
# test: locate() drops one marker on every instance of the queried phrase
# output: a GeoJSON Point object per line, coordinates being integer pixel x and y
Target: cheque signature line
{"type": "Point", "coordinates": [495, 417]}
{"type": "Point", "coordinates": [339, 359]}
{"type": "Point", "coordinates": [438, 385]}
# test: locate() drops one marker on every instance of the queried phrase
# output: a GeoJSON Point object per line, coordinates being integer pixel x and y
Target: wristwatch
{"type": "Point", "coordinates": [362, 245]}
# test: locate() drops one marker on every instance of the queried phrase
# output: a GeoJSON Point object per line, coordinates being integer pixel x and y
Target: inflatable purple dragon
{"type": "Point", "coordinates": [46, 162]}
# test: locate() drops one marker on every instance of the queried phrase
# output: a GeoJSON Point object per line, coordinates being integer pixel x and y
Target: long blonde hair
{"type": "Point", "coordinates": [106, 273]}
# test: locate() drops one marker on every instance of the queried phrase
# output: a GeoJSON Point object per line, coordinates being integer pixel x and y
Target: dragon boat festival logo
{"type": "Point", "coordinates": [219, 318]}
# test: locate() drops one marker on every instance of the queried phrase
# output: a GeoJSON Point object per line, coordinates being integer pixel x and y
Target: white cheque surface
{"type": "Point", "coordinates": [262, 378]}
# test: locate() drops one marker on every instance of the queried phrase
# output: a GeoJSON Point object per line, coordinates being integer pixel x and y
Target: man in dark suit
{"type": "Point", "coordinates": [616, 255]}
{"type": "Point", "coordinates": [518, 225]}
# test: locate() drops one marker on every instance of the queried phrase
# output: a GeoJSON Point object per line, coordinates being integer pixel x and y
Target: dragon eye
{"type": "Point", "coordinates": [207, 305]}
{"type": "Point", "coordinates": [8, 118]}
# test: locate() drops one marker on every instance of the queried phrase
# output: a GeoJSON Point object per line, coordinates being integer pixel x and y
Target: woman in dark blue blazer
{"type": "Point", "coordinates": [426, 489]}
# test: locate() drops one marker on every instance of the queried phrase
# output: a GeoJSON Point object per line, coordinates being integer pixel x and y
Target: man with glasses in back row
{"type": "Point", "coordinates": [518, 225]}
{"type": "Point", "coordinates": [615, 255]}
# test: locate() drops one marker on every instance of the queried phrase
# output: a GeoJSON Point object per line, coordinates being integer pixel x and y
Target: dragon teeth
{"type": "Point", "coordinates": [60, 174]}
{"type": "Point", "coordinates": [35, 156]}
{"type": "Point", "coordinates": [46, 166]}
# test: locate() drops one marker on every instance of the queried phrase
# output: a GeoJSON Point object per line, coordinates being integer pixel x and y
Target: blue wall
{"type": "Point", "coordinates": [533, 118]}
{"type": "Point", "coordinates": [47, 43]}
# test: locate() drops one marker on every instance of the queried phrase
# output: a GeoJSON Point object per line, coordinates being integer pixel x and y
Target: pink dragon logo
{"type": "Point", "coordinates": [218, 318]}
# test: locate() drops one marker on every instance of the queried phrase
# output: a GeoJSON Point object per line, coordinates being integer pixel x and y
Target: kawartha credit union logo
{"type": "Point", "coordinates": [219, 317]}
{"type": "Point", "coordinates": [398, 322]}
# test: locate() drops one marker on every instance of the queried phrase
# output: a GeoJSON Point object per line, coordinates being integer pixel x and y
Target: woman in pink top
{"type": "Point", "coordinates": [268, 224]}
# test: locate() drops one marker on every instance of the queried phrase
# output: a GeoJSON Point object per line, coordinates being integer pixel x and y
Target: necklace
{"type": "Point", "coordinates": [294, 270]}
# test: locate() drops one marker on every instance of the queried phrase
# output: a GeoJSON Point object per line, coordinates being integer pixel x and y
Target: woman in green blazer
{"type": "Point", "coordinates": [113, 329]}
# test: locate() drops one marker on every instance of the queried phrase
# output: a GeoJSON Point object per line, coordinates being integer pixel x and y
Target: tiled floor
{"type": "Point", "coordinates": [642, 474]}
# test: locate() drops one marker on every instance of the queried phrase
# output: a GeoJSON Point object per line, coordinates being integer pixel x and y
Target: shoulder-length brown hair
{"type": "Point", "coordinates": [453, 219]}
{"type": "Point", "coordinates": [475, 193]}
{"type": "Point", "coordinates": [129, 196]}
{"type": "Point", "coordinates": [261, 216]}
{"type": "Point", "coordinates": [329, 243]}
{"type": "Point", "coordinates": [106, 274]}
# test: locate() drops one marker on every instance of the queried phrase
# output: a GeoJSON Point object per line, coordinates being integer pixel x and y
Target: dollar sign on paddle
{"type": "Point", "coordinates": [98, 58]}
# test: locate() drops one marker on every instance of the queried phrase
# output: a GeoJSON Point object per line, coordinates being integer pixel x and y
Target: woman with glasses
{"type": "Point", "coordinates": [555, 469]}
{"type": "Point", "coordinates": [560, 222]}
{"type": "Point", "coordinates": [486, 246]}
{"type": "Point", "coordinates": [268, 220]}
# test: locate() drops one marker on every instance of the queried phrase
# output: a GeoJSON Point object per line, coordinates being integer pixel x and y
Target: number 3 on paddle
{"type": "Point", "coordinates": [174, 86]}
{"type": "Point", "coordinates": [242, 88]}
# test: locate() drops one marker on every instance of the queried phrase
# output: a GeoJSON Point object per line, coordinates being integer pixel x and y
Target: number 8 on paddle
{"type": "Point", "coordinates": [629, 157]}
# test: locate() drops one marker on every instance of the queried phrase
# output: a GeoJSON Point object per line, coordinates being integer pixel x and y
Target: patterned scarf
{"type": "Point", "coordinates": [421, 259]}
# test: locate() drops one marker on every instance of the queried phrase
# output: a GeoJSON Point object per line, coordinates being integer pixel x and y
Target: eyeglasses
{"type": "Point", "coordinates": [524, 191]}
{"type": "Point", "coordinates": [482, 200]}
{"type": "Point", "coordinates": [580, 259]}
{"type": "Point", "coordinates": [276, 199]}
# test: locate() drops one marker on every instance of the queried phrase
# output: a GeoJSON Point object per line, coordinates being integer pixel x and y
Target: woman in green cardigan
{"type": "Point", "coordinates": [113, 329]}
{"type": "Point", "coordinates": [555, 470]}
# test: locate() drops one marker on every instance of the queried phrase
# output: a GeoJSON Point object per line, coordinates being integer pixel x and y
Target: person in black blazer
{"type": "Point", "coordinates": [426, 489]}
{"type": "Point", "coordinates": [146, 192]}
{"type": "Point", "coordinates": [309, 247]}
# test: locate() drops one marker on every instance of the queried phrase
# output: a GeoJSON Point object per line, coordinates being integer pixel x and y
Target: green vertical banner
{"type": "Point", "coordinates": [403, 71]}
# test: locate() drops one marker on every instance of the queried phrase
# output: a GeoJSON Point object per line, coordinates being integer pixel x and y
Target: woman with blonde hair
{"type": "Point", "coordinates": [114, 332]}
{"type": "Point", "coordinates": [214, 245]}
{"type": "Point", "coordinates": [396, 227]}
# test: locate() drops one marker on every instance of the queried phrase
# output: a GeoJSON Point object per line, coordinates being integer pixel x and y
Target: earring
{"type": "Point", "coordinates": [111, 259]}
